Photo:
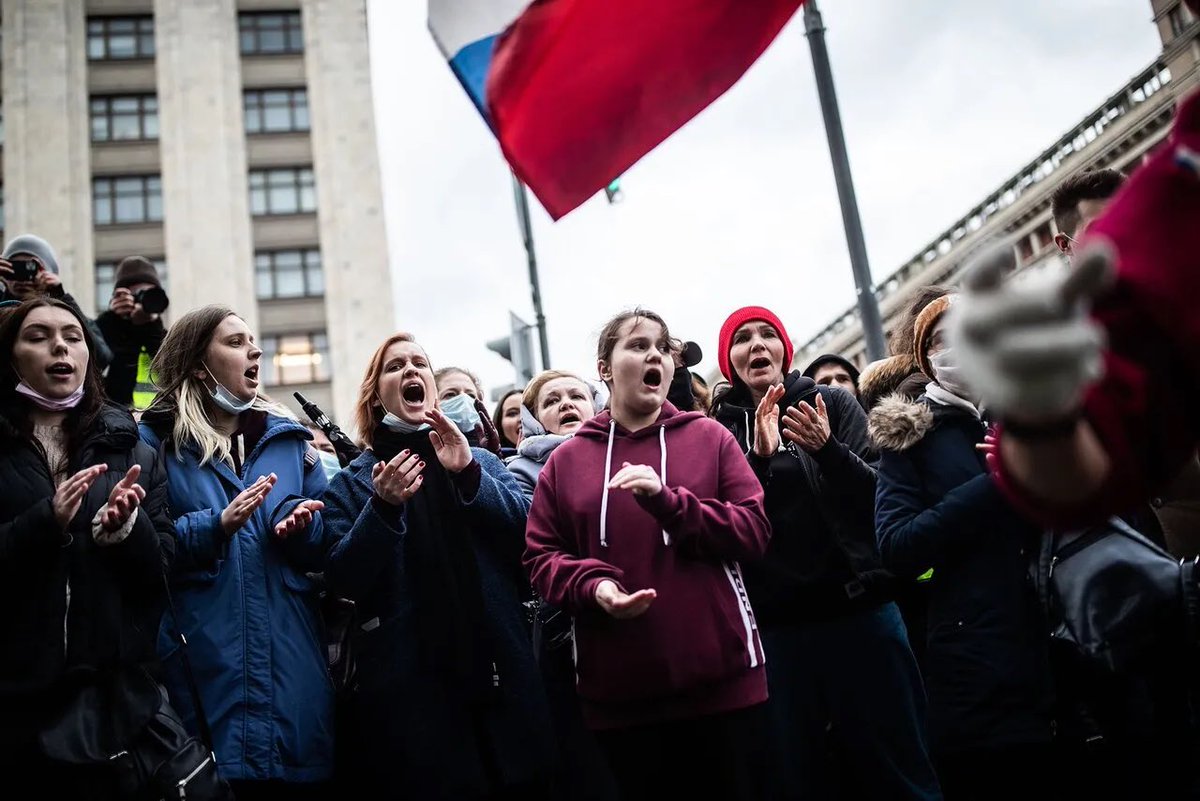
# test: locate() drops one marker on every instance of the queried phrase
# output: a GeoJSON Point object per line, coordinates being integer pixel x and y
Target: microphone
{"type": "Point", "coordinates": [345, 448]}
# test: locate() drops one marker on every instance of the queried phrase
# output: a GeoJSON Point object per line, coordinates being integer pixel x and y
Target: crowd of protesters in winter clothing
{"type": "Point", "coordinates": [829, 583]}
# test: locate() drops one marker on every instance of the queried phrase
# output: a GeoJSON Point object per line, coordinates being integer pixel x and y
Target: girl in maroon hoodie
{"type": "Point", "coordinates": [637, 527]}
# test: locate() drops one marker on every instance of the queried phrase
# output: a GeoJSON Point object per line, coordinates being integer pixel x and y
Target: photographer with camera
{"type": "Point", "coordinates": [29, 269]}
{"type": "Point", "coordinates": [134, 330]}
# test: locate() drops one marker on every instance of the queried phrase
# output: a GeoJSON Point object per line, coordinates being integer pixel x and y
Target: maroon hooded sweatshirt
{"type": "Point", "coordinates": [696, 650]}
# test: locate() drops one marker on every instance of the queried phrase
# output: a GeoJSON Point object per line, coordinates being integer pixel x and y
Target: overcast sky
{"type": "Point", "coordinates": [941, 102]}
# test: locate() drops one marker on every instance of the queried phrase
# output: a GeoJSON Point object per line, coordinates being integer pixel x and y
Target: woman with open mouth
{"type": "Point", "coordinates": [637, 527]}
{"type": "Point", "coordinates": [84, 534]}
{"type": "Point", "coordinates": [242, 476]}
{"type": "Point", "coordinates": [429, 531]}
{"type": "Point", "coordinates": [837, 650]}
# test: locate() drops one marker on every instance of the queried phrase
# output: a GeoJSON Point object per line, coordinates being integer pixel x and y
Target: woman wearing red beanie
{"type": "Point", "coordinates": [838, 658]}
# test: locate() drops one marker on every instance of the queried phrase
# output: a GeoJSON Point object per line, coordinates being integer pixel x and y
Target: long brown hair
{"type": "Point", "coordinates": [15, 420]}
{"type": "Point", "coordinates": [368, 410]}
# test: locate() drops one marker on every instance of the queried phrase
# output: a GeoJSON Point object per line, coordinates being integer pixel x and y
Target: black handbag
{"type": "Point", "coordinates": [124, 720]}
{"type": "Point", "coordinates": [1114, 596]}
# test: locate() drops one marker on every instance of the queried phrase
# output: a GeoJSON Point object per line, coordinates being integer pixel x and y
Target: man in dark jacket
{"type": "Point", "coordinates": [832, 370]}
{"type": "Point", "coordinates": [133, 333]}
{"type": "Point", "coordinates": [46, 282]}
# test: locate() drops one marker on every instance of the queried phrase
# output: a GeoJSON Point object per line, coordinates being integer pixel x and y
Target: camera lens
{"type": "Point", "coordinates": [152, 300]}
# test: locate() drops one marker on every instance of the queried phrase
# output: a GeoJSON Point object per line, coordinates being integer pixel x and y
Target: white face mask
{"type": "Point", "coordinates": [226, 399]}
{"type": "Point", "coordinates": [461, 411]}
{"type": "Point", "coordinates": [949, 374]}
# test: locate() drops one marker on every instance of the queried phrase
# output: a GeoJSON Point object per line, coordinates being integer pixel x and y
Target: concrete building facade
{"type": "Point", "coordinates": [230, 141]}
{"type": "Point", "coordinates": [1117, 134]}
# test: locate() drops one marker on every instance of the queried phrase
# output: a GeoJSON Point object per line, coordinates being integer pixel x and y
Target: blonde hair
{"type": "Point", "coordinates": [368, 410]}
{"type": "Point", "coordinates": [529, 398]}
{"type": "Point", "coordinates": [183, 396]}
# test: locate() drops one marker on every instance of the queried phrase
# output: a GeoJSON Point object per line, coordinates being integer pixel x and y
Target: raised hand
{"type": "Point", "coordinates": [241, 507]}
{"type": "Point", "coordinates": [126, 496]}
{"type": "Point", "coordinates": [1028, 347]}
{"type": "Point", "coordinates": [449, 443]}
{"type": "Point", "coordinates": [637, 478]}
{"type": "Point", "coordinates": [806, 426]}
{"type": "Point", "coordinates": [489, 437]}
{"type": "Point", "coordinates": [622, 605]}
{"type": "Point", "coordinates": [298, 519]}
{"type": "Point", "coordinates": [398, 480]}
{"type": "Point", "coordinates": [766, 422]}
{"type": "Point", "coordinates": [122, 303]}
{"type": "Point", "coordinates": [69, 494]}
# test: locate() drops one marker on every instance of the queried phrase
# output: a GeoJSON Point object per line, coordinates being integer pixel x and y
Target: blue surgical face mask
{"type": "Point", "coordinates": [226, 399]}
{"type": "Point", "coordinates": [394, 423]}
{"type": "Point", "coordinates": [330, 464]}
{"type": "Point", "coordinates": [461, 411]}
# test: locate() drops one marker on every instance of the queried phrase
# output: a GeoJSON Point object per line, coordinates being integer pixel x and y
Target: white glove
{"type": "Point", "coordinates": [1028, 347]}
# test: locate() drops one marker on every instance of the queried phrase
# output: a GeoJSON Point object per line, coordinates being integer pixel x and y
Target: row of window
{"type": "Point", "coordinates": [278, 275]}
{"type": "Point", "coordinates": [119, 118]}
{"type": "Point", "coordinates": [259, 33]}
{"type": "Point", "coordinates": [132, 199]}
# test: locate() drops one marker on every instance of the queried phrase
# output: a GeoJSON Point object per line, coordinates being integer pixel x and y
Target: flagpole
{"type": "Point", "coordinates": [868, 306]}
{"type": "Point", "coordinates": [535, 287]}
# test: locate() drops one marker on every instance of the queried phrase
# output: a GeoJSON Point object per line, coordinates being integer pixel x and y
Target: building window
{"type": "Point", "coordinates": [276, 110]}
{"type": "Point", "coordinates": [289, 274]}
{"type": "Point", "coordinates": [271, 33]}
{"type": "Point", "coordinates": [127, 199]}
{"type": "Point", "coordinates": [296, 358]}
{"type": "Point", "coordinates": [106, 276]}
{"type": "Point", "coordinates": [1, 125]}
{"type": "Point", "coordinates": [120, 38]}
{"type": "Point", "coordinates": [283, 191]}
{"type": "Point", "coordinates": [124, 117]}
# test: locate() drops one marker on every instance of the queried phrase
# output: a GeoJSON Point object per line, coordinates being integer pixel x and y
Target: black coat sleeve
{"type": "Point", "coordinates": [845, 471]}
{"type": "Point", "coordinates": [148, 551]}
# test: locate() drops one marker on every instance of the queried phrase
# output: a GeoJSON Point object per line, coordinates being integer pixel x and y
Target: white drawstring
{"type": "Point", "coordinates": [748, 447]}
{"type": "Point", "coordinates": [612, 432]}
{"type": "Point", "coordinates": [662, 477]}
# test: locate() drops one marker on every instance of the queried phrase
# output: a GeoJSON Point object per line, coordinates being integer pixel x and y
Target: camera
{"type": "Point", "coordinates": [25, 269]}
{"type": "Point", "coordinates": [153, 300]}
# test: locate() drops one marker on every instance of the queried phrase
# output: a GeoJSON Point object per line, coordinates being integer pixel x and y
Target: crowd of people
{"type": "Point", "coordinates": [817, 584]}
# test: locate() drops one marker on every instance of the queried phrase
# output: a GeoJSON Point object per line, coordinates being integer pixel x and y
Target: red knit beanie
{"type": "Point", "coordinates": [739, 318]}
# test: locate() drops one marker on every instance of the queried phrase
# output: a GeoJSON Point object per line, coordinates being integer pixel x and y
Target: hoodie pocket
{"type": "Point", "coordinates": [699, 632]}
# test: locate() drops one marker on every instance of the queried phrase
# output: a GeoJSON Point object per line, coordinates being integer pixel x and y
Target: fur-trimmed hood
{"type": "Point", "coordinates": [880, 379]}
{"type": "Point", "coordinates": [897, 423]}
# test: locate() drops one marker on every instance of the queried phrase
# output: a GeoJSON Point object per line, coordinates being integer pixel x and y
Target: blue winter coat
{"type": "Point", "coordinates": [987, 668]}
{"type": "Point", "coordinates": [249, 611]}
{"type": "Point", "coordinates": [414, 727]}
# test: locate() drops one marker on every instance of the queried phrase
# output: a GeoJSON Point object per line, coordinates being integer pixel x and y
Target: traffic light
{"type": "Point", "coordinates": [517, 348]}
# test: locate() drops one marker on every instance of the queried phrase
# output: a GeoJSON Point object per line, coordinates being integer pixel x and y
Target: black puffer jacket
{"type": "Point", "coordinates": [126, 342]}
{"type": "Point", "coordinates": [986, 667]}
{"type": "Point", "coordinates": [72, 606]}
{"type": "Point", "coordinates": [823, 561]}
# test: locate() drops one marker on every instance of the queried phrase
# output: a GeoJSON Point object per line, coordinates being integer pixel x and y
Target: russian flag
{"type": "Point", "coordinates": [577, 91]}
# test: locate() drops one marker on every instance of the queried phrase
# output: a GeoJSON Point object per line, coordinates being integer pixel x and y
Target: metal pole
{"type": "Point", "coordinates": [535, 287]}
{"type": "Point", "coordinates": [868, 306]}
